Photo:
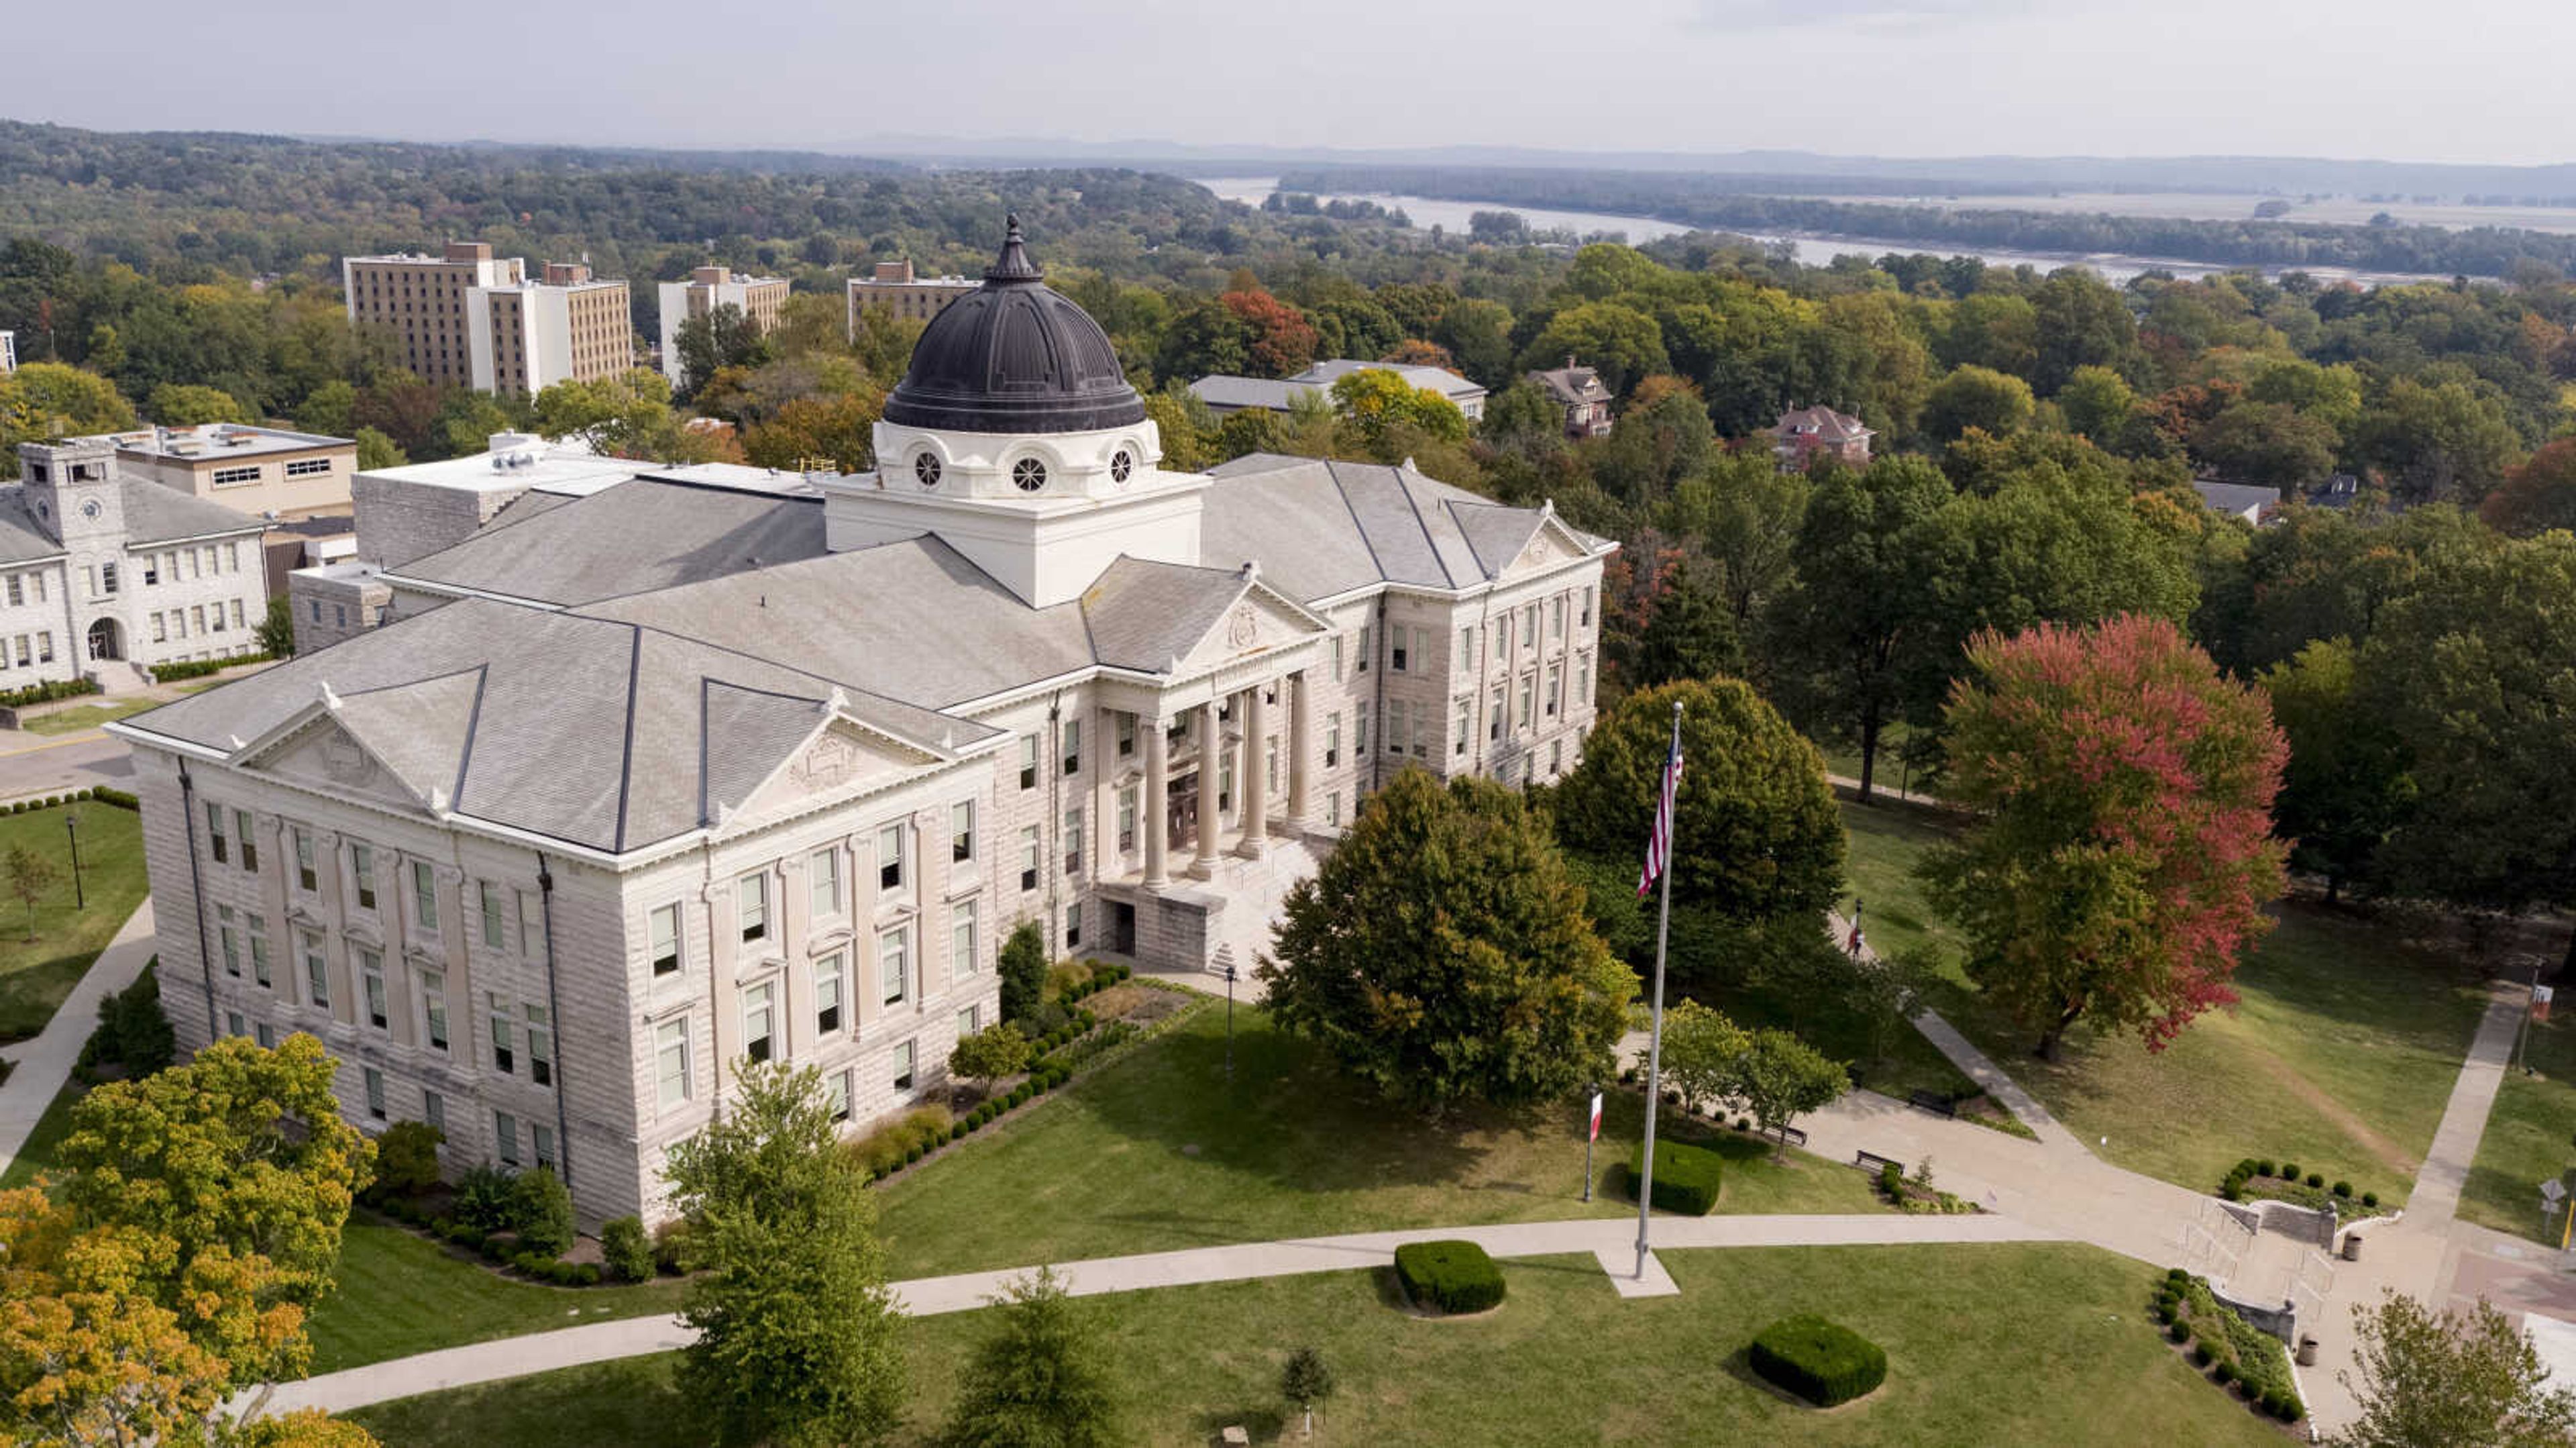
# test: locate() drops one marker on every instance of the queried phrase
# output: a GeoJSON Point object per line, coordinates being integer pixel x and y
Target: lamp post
{"type": "Point", "coordinates": [1591, 1132]}
{"type": "Point", "coordinates": [1229, 1020]}
{"type": "Point", "coordinates": [71, 826]}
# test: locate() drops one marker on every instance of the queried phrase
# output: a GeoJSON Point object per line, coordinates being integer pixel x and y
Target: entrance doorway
{"type": "Point", "coordinates": [1122, 928]}
{"type": "Point", "coordinates": [106, 641]}
{"type": "Point", "coordinates": [1183, 811]}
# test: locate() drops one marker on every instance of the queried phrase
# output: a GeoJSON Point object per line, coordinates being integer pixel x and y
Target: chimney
{"type": "Point", "coordinates": [708, 276]}
{"type": "Point", "coordinates": [469, 251]}
{"type": "Point", "coordinates": [1569, 361]}
{"type": "Point", "coordinates": [566, 273]}
{"type": "Point", "coordinates": [895, 271]}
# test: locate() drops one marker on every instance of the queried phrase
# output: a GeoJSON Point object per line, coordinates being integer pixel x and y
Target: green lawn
{"type": "Point", "coordinates": [36, 975]}
{"type": "Point", "coordinates": [80, 718]}
{"type": "Point", "coordinates": [2527, 1139]}
{"type": "Point", "coordinates": [1985, 1344]}
{"type": "Point", "coordinates": [1159, 1152]}
{"type": "Point", "coordinates": [2341, 1056]}
{"type": "Point", "coordinates": [400, 1293]}
{"type": "Point", "coordinates": [38, 1152]}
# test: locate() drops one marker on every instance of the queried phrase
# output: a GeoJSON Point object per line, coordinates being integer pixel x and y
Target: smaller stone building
{"type": "Point", "coordinates": [1808, 433]}
{"type": "Point", "coordinates": [263, 471]}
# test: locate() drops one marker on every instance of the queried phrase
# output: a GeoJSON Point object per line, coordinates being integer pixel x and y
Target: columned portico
{"type": "Point", "coordinates": [1301, 725]}
{"type": "Point", "coordinates": [1254, 772]}
{"type": "Point", "coordinates": [1158, 766]}
{"type": "Point", "coordinates": [1212, 747]}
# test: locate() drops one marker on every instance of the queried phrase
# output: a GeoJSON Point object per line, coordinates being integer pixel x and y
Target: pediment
{"type": "Point", "coordinates": [1257, 620]}
{"type": "Point", "coordinates": [1550, 545]}
{"type": "Point", "coordinates": [325, 756]}
{"type": "Point", "coordinates": [838, 757]}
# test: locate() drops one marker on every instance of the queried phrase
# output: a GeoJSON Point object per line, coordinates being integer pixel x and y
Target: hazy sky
{"type": "Point", "coordinates": [2466, 80]}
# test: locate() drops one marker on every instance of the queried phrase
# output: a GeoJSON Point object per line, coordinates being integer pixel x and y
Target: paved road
{"type": "Point", "coordinates": [32, 764]}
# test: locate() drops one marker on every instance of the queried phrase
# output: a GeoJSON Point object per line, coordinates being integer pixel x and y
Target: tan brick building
{"type": "Point", "coordinates": [425, 300]}
{"type": "Point", "coordinates": [262, 471]}
{"type": "Point", "coordinates": [894, 287]}
{"type": "Point", "coordinates": [468, 319]}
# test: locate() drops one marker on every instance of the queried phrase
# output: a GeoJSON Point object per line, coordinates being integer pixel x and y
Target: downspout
{"type": "Point", "coordinates": [1377, 701]}
{"type": "Point", "coordinates": [715, 985]}
{"type": "Point", "coordinates": [1054, 764]}
{"type": "Point", "coordinates": [554, 1013]}
{"type": "Point", "coordinates": [197, 890]}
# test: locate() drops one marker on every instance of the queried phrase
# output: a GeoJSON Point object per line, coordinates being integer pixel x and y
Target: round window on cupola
{"type": "Point", "coordinates": [1122, 466]}
{"type": "Point", "coordinates": [925, 466]}
{"type": "Point", "coordinates": [1028, 475]}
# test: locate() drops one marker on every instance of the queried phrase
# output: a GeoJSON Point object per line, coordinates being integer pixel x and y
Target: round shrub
{"type": "Point", "coordinates": [2370, 1199]}
{"type": "Point", "coordinates": [1019, 1093]}
{"type": "Point", "coordinates": [2180, 1331]}
{"type": "Point", "coordinates": [2201, 1354]}
{"type": "Point", "coordinates": [2165, 1311]}
{"type": "Point", "coordinates": [1822, 1362]}
{"type": "Point", "coordinates": [1450, 1276]}
{"type": "Point", "coordinates": [2223, 1370]}
{"type": "Point", "coordinates": [586, 1274]}
{"type": "Point", "coordinates": [1687, 1178]}
{"type": "Point", "coordinates": [2289, 1171]}
{"type": "Point", "coordinates": [912, 1154]}
{"type": "Point", "coordinates": [2343, 1189]}
{"type": "Point", "coordinates": [2263, 1166]}
{"type": "Point", "coordinates": [625, 1249]}
{"type": "Point", "coordinates": [2291, 1410]}
{"type": "Point", "coordinates": [2244, 1168]}
{"type": "Point", "coordinates": [2177, 1275]}
{"type": "Point", "coordinates": [2316, 1179]}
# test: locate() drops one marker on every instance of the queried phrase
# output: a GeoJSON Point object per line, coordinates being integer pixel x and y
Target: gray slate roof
{"type": "Point", "coordinates": [1145, 615]}
{"type": "Point", "coordinates": [1222, 390]}
{"type": "Point", "coordinates": [1322, 527]}
{"type": "Point", "coordinates": [21, 541]}
{"type": "Point", "coordinates": [632, 538]}
{"type": "Point", "coordinates": [157, 514]}
{"type": "Point", "coordinates": [2234, 498]}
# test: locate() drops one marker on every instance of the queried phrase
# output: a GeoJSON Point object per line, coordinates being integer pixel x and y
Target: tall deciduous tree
{"type": "Point", "coordinates": [2346, 785]}
{"type": "Point", "coordinates": [1994, 403]}
{"type": "Point", "coordinates": [797, 1337]}
{"type": "Point", "coordinates": [1759, 835]}
{"type": "Point", "coordinates": [2124, 851]}
{"type": "Point", "coordinates": [2539, 495]}
{"type": "Point", "coordinates": [2452, 1378]}
{"type": "Point", "coordinates": [1702, 1050]}
{"type": "Point", "coordinates": [1690, 634]}
{"type": "Point", "coordinates": [1042, 1380]}
{"type": "Point", "coordinates": [1442, 954]}
{"type": "Point", "coordinates": [1780, 1078]}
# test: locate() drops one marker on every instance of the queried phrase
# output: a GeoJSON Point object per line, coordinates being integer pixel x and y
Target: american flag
{"type": "Point", "coordinates": [1659, 846]}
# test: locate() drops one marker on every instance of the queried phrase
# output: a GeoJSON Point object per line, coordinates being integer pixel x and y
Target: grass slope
{"type": "Point", "coordinates": [36, 975]}
{"type": "Point", "coordinates": [401, 1294]}
{"type": "Point", "coordinates": [2526, 1140]}
{"type": "Point", "coordinates": [2341, 1056]}
{"type": "Point", "coordinates": [1985, 1344]}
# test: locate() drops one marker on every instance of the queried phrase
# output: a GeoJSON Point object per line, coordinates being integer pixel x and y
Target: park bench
{"type": "Point", "coordinates": [1793, 1136]}
{"type": "Point", "coordinates": [1873, 1163]}
{"type": "Point", "coordinates": [1934, 1102]}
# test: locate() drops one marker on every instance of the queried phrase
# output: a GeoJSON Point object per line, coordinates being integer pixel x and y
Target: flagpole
{"type": "Point", "coordinates": [1655, 1039]}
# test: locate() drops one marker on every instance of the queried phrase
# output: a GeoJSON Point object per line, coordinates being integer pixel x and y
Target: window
{"type": "Point", "coordinates": [488, 902]}
{"type": "Point", "coordinates": [904, 1058]}
{"type": "Point", "coordinates": [160, 628]}
{"type": "Point", "coordinates": [1466, 726]}
{"type": "Point", "coordinates": [1337, 658]}
{"type": "Point", "coordinates": [532, 926]}
{"type": "Point", "coordinates": [433, 1109]}
{"type": "Point", "coordinates": [1028, 475]}
{"type": "Point", "coordinates": [827, 992]}
{"type": "Point", "coordinates": [1466, 661]}
{"type": "Point", "coordinates": [215, 839]}
{"type": "Point", "coordinates": [961, 832]}
{"type": "Point", "coordinates": [1127, 820]}
{"type": "Point", "coordinates": [1359, 731]}
{"type": "Point", "coordinates": [894, 965]}
{"type": "Point", "coordinates": [823, 883]}
{"type": "Point", "coordinates": [307, 467]}
{"type": "Point", "coordinates": [961, 938]}
{"type": "Point", "coordinates": [1556, 616]}
{"type": "Point", "coordinates": [236, 603]}
{"type": "Point", "coordinates": [1333, 809]}
{"type": "Point", "coordinates": [259, 950]}
{"type": "Point", "coordinates": [751, 907]}
{"type": "Point", "coordinates": [1583, 678]}
{"type": "Point", "coordinates": [1555, 757]}
{"type": "Point", "coordinates": [1361, 653]}
{"type": "Point", "coordinates": [505, 1137]}
{"type": "Point", "coordinates": [1495, 715]}
{"type": "Point", "coordinates": [1073, 925]}
{"type": "Point", "coordinates": [228, 477]}
{"type": "Point", "coordinates": [433, 1003]}
{"type": "Point", "coordinates": [107, 578]}
{"type": "Point", "coordinates": [665, 924]}
{"type": "Point", "coordinates": [371, 976]}
{"type": "Point", "coordinates": [230, 941]}
{"type": "Point", "coordinates": [1126, 729]}
{"type": "Point", "coordinates": [1586, 620]}
{"type": "Point", "coordinates": [362, 863]}
{"type": "Point", "coordinates": [1332, 739]}
{"type": "Point", "coordinates": [249, 845]}
{"type": "Point", "coordinates": [1529, 626]}
{"type": "Point", "coordinates": [305, 878]}
{"type": "Point", "coordinates": [1555, 689]}
{"type": "Point", "coordinates": [671, 1061]}
{"type": "Point", "coordinates": [234, 1025]}
{"type": "Point", "coordinates": [837, 1086]}
{"type": "Point", "coordinates": [1073, 746]}
{"type": "Point", "coordinates": [1029, 857]}
{"type": "Point", "coordinates": [541, 1046]}
{"type": "Point", "coordinates": [758, 1016]}
{"type": "Point", "coordinates": [969, 1021]}
{"type": "Point", "coordinates": [1529, 691]}
{"type": "Point", "coordinates": [1397, 655]}
{"type": "Point", "coordinates": [504, 1037]}
{"type": "Point", "coordinates": [1073, 840]}
{"type": "Point", "coordinates": [1028, 761]}
{"type": "Point", "coordinates": [424, 895]}
{"type": "Point", "coordinates": [317, 970]}
{"type": "Point", "coordinates": [17, 594]}
{"type": "Point", "coordinates": [542, 1139]}
{"type": "Point", "coordinates": [890, 858]}
{"type": "Point", "coordinates": [375, 1080]}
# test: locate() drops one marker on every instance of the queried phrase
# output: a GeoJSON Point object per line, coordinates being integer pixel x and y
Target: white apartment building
{"type": "Point", "coordinates": [647, 779]}
{"type": "Point", "coordinates": [8, 353]}
{"type": "Point", "coordinates": [470, 319]}
{"type": "Point", "coordinates": [708, 288]}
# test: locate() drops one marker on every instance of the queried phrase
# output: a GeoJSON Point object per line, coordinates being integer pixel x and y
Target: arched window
{"type": "Point", "coordinates": [925, 466]}
{"type": "Point", "coordinates": [1028, 475]}
{"type": "Point", "coordinates": [1120, 466]}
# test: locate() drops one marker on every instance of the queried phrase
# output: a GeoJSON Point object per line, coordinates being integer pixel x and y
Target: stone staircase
{"type": "Point", "coordinates": [1257, 891]}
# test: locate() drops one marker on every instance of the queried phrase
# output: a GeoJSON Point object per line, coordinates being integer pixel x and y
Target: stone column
{"type": "Point", "coordinates": [1256, 773]}
{"type": "Point", "coordinates": [1212, 748]}
{"type": "Point", "coordinates": [1157, 806]}
{"type": "Point", "coordinates": [1301, 743]}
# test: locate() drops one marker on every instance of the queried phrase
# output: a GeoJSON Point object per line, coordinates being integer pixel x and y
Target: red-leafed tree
{"type": "Point", "coordinates": [1283, 341]}
{"type": "Point", "coordinates": [2124, 849]}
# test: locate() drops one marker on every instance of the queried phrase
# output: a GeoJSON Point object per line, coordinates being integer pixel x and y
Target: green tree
{"type": "Point", "coordinates": [1305, 1380]}
{"type": "Point", "coordinates": [797, 1337]}
{"type": "Point", "coordinates": [1995, 330]}
{"type": "Point", "coordinates": [1041, 1380]}
{"type": "Point", "coordinates": [2268, 445]}
{"type": "Point", "coordinates": [2446, 442]}
{"type": "Point", "coordinates": [723, 336]}
{"type": "Point", "coordinates": [1994, 403]}
{"type": "Point", "coordinates": [1758, 832]}
{"type": "Point", "coordinates": [2099, 404]}
{"type": "Point", "coordinates": [406, 1159]}
{"type": "Point", "coordinates": [2345, 787]}
{"type": "Point", "coordinates": [276, 628]}
{"type": "Point", "coordinates": [2539, 495]}
{"type": "Point", "coordinates": [1023, 971]}
{"type": "Point", "coordinates": [376, 451]}
{"type": "Point", "coordinates": [1691, 633]}
{"type": "Point", "coordinates": [1702, 1051]}
{"type": "Point", "coordinates": [990, 1054]}
{"type": "Point", "coordinates": [1747, 513]}
{"type": "Point", "coordinates": [1780, 1078]}
{"type": "Point", "coordinates": [1377, 403]}
{"type": "Point", "coordinates": [2458, 1379]}
{"type": "Point", "coordinates": [2123, 851]}
{"type": "Point", "coordinates": [2083, 320]}
{"type": "Point", "coordinates": [1617, 341]}
{"type": "Point", "coordinates": [328, 409]}
{"type": "Point", "coordinates": [1479, 334]}
{"type": "Point", "coordinates": [30, 878]}
{"type": "Point", "coordinates": [175, 404]}
{"type": "Point", "coordinates": [1655, 445]}
{"type": "Point", "coordinates": [1442, 954]}
{"type": "Point", "coordinates": [44, 400]}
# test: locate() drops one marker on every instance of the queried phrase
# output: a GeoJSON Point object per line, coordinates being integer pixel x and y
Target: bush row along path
{"type": "Point", "coordinates": [45, 1063]}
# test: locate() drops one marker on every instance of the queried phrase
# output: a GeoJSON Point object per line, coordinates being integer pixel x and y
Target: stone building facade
{"type": "Point", "coordinates": [681, 772]}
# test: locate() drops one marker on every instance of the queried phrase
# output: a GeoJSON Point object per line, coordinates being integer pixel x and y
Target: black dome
{"type": "Point", "coordinates": [1014, 355]}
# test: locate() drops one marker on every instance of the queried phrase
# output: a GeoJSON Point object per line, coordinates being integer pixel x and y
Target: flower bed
{"type": "Point", "coordinates": [1917, 1195]}
{"type": "Point", "coordinates": [2258, 1179]}
{"type": "Point", "coordinates": [2238, 1356]}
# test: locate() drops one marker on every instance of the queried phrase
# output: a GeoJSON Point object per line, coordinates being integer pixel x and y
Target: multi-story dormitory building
{"type": "Point", "coordinates": [647, 780]}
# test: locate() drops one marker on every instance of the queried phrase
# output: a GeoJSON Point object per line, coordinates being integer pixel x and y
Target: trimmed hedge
{"type": "Point", "coordinates": [1687, 1178]}
{"type": "Point", "coordinates": [1822, 1362]}
{"type": "Point", "coordinates": [1452, 1276]}
{"type": "Point", "coordinates": [199, 668]}
{"type": "Point", "coordinates": [48, 692]}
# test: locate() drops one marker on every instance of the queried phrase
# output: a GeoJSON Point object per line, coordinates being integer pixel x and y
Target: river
{"type": "Point", "coordinates": [1426, 212]}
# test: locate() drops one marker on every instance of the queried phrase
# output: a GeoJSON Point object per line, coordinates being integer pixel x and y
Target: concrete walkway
{"type": "Point", "coordinates": [2436, 1199]}
{"type": "Point", "coordinates": [1608, 1240]}
{"type": "Point", "coordinates": [45, 1063]}
{"type": "Point", "coordinates": [1990, 1078]}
